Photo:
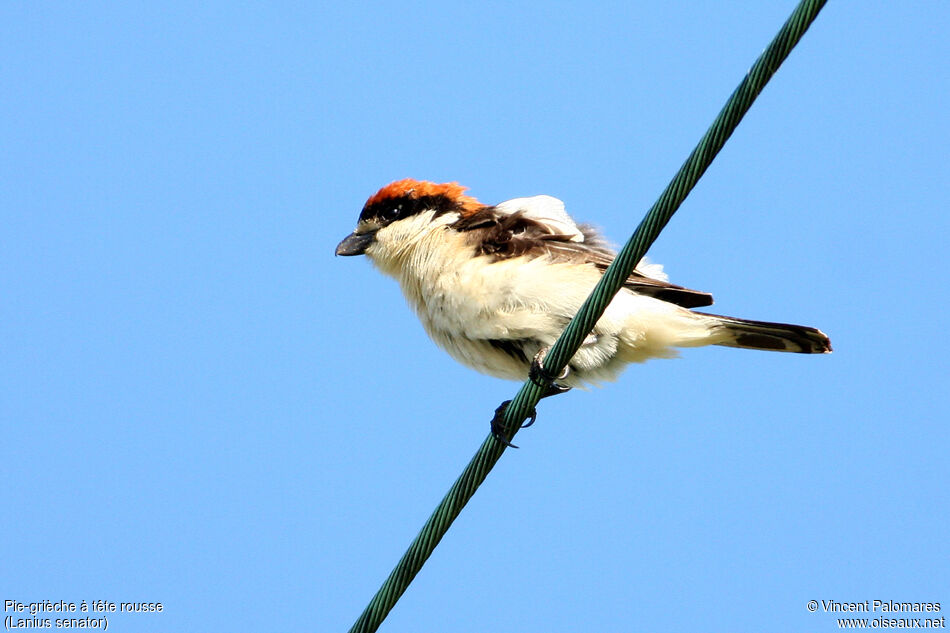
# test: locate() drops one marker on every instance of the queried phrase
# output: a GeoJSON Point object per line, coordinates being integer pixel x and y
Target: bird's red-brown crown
{"type": "Point", "coordinates": [411, 188]}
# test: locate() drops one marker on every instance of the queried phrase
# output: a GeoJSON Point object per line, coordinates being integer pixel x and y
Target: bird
{"type": "Point", "coordinates": [495, 285]}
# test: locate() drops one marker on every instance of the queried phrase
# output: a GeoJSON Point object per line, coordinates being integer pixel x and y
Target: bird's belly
{"type": "Point", "coordinates": [477, 334]}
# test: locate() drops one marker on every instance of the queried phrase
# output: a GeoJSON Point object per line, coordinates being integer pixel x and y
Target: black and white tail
{"type": "Point", "coordinates": [776, 337]}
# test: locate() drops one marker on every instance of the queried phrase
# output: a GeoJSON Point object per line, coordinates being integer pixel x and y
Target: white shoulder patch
{"type": "Point", "coordinates": [547, 210]}
{"type": "Point", "coordinates": [652, 270]}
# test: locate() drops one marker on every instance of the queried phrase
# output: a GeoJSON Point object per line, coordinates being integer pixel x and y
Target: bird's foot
{"type": "Point", "coordinates": [498, 429]}
{"type": "Point", "coordinates": [540, 376]}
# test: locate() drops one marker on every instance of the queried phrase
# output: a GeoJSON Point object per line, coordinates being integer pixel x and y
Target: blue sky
{"type": "Point", "coordinates": [201, 406]}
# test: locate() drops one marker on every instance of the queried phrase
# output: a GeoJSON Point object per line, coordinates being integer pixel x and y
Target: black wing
{"type": "Point", "coordinates": [506, 235]}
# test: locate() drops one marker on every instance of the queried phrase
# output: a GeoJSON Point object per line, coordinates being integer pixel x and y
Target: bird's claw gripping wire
{"type": "Point", "coordinates": [542, 379]}
{"type": "Point", "coordinates": [498, 428]}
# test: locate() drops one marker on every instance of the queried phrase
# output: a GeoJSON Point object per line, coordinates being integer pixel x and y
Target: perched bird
{"type": "Point", "coordinates": [496, 285]}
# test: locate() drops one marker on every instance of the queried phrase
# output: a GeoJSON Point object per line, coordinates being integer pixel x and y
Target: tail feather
{"type": "Point", "coordinates": [778, 337]}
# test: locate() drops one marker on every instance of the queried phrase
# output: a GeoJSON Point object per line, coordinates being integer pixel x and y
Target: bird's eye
{"type": "Point", "coordinates": [391, 213]}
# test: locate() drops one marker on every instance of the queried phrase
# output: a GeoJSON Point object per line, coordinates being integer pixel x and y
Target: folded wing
{"type": "Point", "coordinates": [539, 226]}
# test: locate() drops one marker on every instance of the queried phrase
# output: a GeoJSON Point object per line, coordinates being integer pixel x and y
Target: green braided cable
{"type": "Point", "coordinates": [669, 201]}
{"type": "Point", "coordinates": [429, 536]}
{"type": "Point", "coordinates": [583, 322]}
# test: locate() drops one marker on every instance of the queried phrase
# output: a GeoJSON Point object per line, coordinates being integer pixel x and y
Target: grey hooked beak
{"type": "Point", "coordinates": [355, 243]}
